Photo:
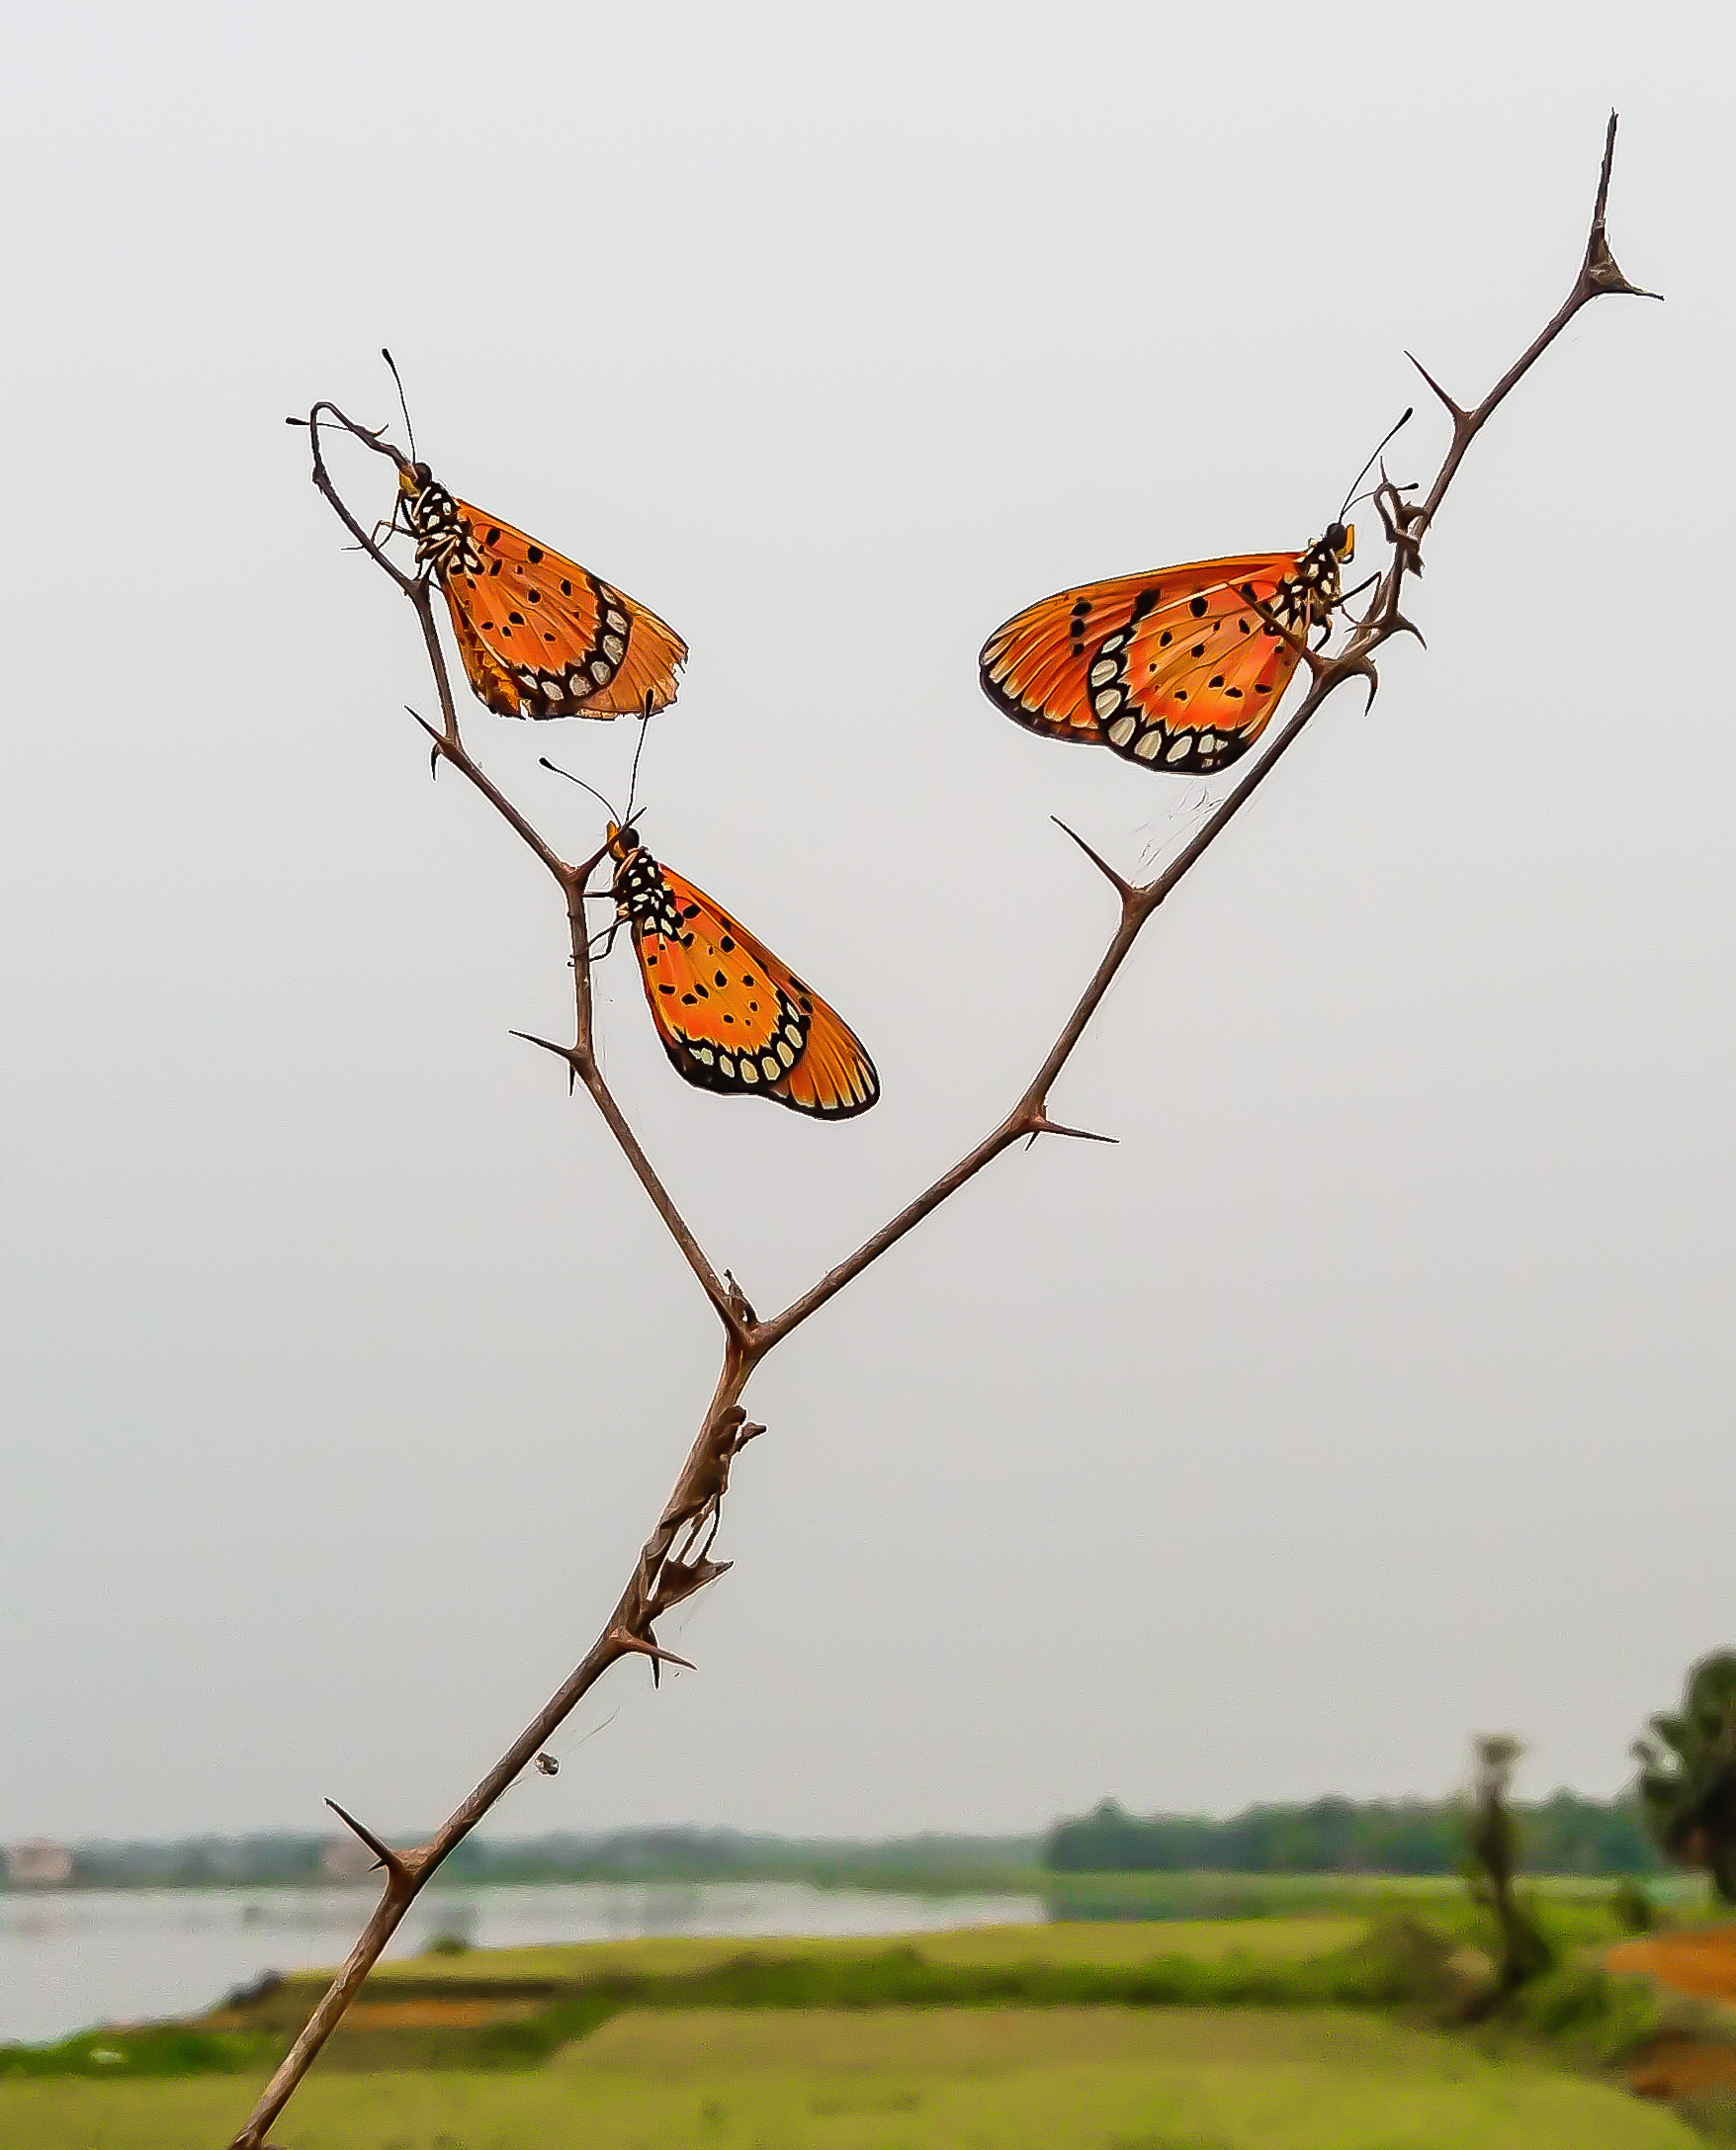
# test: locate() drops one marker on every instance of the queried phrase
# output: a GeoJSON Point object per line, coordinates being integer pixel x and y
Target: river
{"type": "Point", "coordinates": [70, 1959]}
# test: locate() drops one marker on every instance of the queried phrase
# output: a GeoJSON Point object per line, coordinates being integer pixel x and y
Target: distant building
{"type": "Point", "coordinates": [38, 1865]}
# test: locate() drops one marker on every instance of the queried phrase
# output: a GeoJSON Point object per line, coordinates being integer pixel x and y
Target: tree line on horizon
{"type": "Point", "coordinates": [1565, 1834]}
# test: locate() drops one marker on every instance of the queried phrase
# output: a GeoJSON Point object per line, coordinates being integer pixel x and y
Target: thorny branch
{"type": "Point", "coordinates": [676, 1560]}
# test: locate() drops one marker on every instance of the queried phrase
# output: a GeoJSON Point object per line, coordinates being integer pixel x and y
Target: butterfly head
{"type": "Point", "coordinates": [1341, 542]}
{"type": "Point", "coordinates": [622, 842]}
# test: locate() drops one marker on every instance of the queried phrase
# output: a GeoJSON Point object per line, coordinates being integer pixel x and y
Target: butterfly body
{"type": "Point", "coordinates": [540, 636]}
{"type": "Point", "coordinates": [731, 1016]}
{"type": "Point", "coordinates": [1180, 668]}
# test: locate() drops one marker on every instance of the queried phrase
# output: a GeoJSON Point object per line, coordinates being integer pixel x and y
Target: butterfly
{"type": "Point", "coordinates": [539, 635]}
{"type": "Point", "coordinates": [1180, 668]}
{"type": "Point", "coordinates": [731, 1016]}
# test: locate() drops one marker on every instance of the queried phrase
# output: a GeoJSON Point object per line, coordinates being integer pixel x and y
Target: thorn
{"type": "Point", "coordinates": [739, 1303]}
{"type": "Point", "coordinates": [561, 1052]}
{"type": "Point", "coordinates": [1123, 889]}
{"type": "Point", "coordinates": [625, 1641]}
{"type": "Point", "coordinates": [383, 1854]}
{"type": "Point", "coordinates": [567, 1052]}
{"type": "Point", "coordinates": [1459, 417]}
{"type": "Point", "coordinates": [1045, 1125]}
{"type": "Point", "coordinates": [1397, 624]}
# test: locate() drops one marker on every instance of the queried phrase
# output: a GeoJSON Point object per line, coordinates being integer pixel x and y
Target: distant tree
{"type": "Point", "coordinates": [1688, 1773]}
{"type": "Point", "coordinates": [1492, 1858]}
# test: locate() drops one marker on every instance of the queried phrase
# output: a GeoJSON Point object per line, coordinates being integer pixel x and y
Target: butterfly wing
{"type": "Point", "coordinates": [734, 1018]}
{"type": "Point", "coordinates": [1174, 669]}
{"type": "Point", "coordinates": [542, 636]}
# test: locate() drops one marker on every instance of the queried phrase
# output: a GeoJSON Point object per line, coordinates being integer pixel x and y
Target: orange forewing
{"type": "Point", "coordinates": [1174, 669]}
{"type": "Point", "coordinates": [734, 1018]}
{"type": "Point", "coordinates": [542, 636]}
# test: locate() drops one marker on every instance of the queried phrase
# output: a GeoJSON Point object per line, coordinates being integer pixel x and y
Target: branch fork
{"type": "Point", "coordinates": [675, 1561]}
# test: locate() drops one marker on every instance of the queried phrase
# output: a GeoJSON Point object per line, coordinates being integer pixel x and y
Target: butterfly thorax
{"type": "Point", "coordinates": [643, 899]}
{"type": "Point", "coordinates": [1308, 593]}
{"type": "Point", "coordinates": [443, 538]}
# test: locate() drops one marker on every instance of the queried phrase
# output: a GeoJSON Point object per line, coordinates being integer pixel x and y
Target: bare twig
{"type": "Point", "coordinates": [674, 1561]}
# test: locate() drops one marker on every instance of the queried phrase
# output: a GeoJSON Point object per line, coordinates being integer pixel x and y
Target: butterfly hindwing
{"type": "Point", "coordinates": [731, 1016]}
{"type": "Point", "coordinates": [1179, 668]}
{"type": "Point", "coordinates": [539, 635]}
{"type": "Point", "coordinates": [570, 644]}
{"type": "Point", "coordinates": [1158, 667]}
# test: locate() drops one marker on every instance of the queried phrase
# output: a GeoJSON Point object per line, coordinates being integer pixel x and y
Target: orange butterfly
{"type": "Point", "coordinates": [731, 1016]}
{"type": "Point", "coordinates": [539, 635]}
{"type": "Point", "coordinates": [1177, 668]}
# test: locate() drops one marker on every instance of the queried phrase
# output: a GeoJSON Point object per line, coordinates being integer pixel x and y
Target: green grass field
{"type": "Point", "coordinates": [1236, 2041]}
{"type": "Point", "coordinates": [1098, 2078]}
{"type": "Point", "coordinates": [1090, 1943]}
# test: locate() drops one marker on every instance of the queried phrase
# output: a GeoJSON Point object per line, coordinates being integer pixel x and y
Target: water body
{"type": "Point", "coordinates": [74, 1960]}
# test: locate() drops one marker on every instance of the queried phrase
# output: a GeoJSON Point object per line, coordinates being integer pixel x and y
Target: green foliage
{"type": "Point", "coordinates": [1563, 1834]}
{"type": "Point", "coordinates": [1492, 1842]}
{"type": "Point", "coordinates": [1585, 2007]}
{"type": "Point", "coordinates": [155, 2049]}
{"type": "Point", "coordinates": [926, 1864]}
{"type": "Point", "coordinates": [1688, 1773]}
{"type": "Point", "coordinates": [1631, 1908]}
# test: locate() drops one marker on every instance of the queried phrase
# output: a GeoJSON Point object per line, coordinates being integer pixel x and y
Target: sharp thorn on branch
{"type": "Point", "coordinates": [1043, 1125]}
{"type": "Point", "coordinates": [383, 1852]}
{"type": "Point", "coordinates": [561, 1052]}
{"type": "Point", "coordinates": [567, 1052]}
{"type": "Point", "coordinates": [1397, 624]}
{"type": "Point", "coordinates": [624, 1639]}
{"type": "Point", "coordinates": [1460, 416]}
{"type": "Point", "coordinates": [1123, 889]}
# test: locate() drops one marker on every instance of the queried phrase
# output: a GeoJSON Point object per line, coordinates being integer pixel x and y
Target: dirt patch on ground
{"type": "Point", "coordinates": [1701, 1962]}
{"type": "Point", "coordinates": [1701, 1965]}
{"type": "Point", "coordinates": [1682, 2067]}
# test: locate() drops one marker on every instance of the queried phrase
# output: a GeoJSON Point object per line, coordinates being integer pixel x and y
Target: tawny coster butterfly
{"type": "Point", "coordinates": [540, 636]}
{"type": "Point", "coordinates": [1179, 668]}
{"type": "Point", "coordinates": [731, 1016]}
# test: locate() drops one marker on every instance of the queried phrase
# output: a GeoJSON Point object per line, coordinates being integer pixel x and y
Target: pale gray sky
{"type": "Point", "coordinates": [1374, 1391]}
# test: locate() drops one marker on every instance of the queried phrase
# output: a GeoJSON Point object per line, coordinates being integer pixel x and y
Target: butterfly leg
{"type": "Point", "coordinates": [607, 939]}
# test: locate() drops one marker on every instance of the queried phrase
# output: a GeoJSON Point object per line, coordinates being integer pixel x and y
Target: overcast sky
{"type": "Point", "coordinates": [1375, 1391]}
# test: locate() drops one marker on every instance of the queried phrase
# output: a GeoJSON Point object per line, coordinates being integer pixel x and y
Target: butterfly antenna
{"type": "Point", "coordinates": [1373, 461]}
{"type": "Point", "coordinates": [404, 404]}
{"type": "Point", "coordinates": [582, 785]}
{"type": "Point", "coordinates": [633, 780]}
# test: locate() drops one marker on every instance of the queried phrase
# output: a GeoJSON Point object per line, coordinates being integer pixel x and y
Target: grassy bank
{"type": "Point", "coordinates": [1004, 2080]}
